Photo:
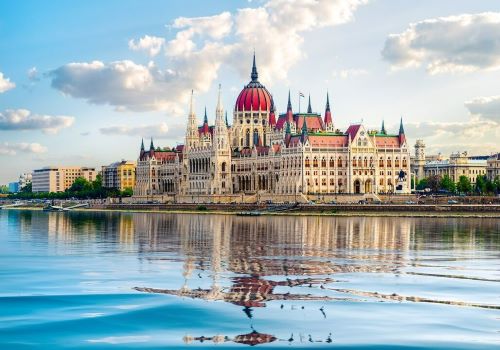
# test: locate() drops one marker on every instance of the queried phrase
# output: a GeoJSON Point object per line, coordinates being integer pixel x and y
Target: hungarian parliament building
{"type": "Point", "coordinates": [269, 156]}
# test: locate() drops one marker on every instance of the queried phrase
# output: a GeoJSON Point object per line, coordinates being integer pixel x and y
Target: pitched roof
{"type": "Point", "coordinates": [352, 130]}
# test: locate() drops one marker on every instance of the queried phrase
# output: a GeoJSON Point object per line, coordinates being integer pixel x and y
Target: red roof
{"type": "Point", "coordinates": [387, 141]}
{"type": "Point", "coordinates": [253, 97]}
{"type": "Point", "coordinates": [206, 129]}
{"type": "Point", "coordinates": [353, 130]}
{"type": "Point", "coordinates": [328, 140]}
{"type": "Point", "coordinates": [313, 122]}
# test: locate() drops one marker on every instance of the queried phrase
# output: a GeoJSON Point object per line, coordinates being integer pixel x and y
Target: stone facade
{"type": "Point", "coordinates": [457, 165]}
{"type": "Point", "coordinates": [493, 167]}
{"type": "Point", "coordinates": [262, 154]}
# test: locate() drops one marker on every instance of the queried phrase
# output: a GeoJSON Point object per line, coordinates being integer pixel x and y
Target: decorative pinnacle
{"type": "Point", "coordinates": [205, 118]}
{"type": "Point", "coordinates": [151, 146]}
{"type": "Point", "coordinates": [327, 109]}
{"type": "Point", "coordinates": [254, 75]}
{"type": "Point", "coordinates": [289, 106]}
{"type": "Point", "coordinates": [401, 129]}
{"type": "Point", "coordinates": [309, 108]}
{"type": "Point", "coordinates": [383, 128]}
{"type": "Point", "coordinates": [142, 145]}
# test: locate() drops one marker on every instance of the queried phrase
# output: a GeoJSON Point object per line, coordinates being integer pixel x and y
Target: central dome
{"type": "Point", "coordinates": [254, 96]}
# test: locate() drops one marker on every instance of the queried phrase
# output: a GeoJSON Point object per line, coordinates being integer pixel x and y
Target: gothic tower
{"type": "Point", "coordinates": [419, 159]}
{"type": "Point", "coordinates": [221, 152]}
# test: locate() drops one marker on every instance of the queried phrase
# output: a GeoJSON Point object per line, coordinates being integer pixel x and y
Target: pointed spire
{"type": "Point", "coordinates": [191, 104]}
{"type": "Point", "coordinates": [205, 118]}
{"type": "Point", "coordinates": [304, 130]}
{"type": "Point", "coordinates": [142, 145]}
{"type": "Point", "coordinates": [289, 106]}
{"type": "Point", "coordinates": [219, 100]}
{"type": "Point", "coordinates": [328, 114]}
{"type": "Point", "coordinates": [254, 75]}
{"type": "Point", "coordinates": [401, 129]}
{"type": "Point", "coordinates": [382, 131]}
{"type": "Point", "coordinates": [309, 108]}
{"type": "Point", "coordinates": [151, 146]}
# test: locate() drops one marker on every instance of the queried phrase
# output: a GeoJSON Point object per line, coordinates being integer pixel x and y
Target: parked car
{"type": "Point", "coordinates": [452, 201]}
{"type": "Point", "coordinates": [410, 202]}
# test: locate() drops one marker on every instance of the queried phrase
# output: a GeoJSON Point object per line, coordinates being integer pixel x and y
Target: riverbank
{"type": "Point", "coordinates": [350, 210]}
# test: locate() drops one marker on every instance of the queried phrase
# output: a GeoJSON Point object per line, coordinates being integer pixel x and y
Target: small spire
{"type": "Point", "coordinates": [191, 104]}
{"type": "Point", "coordinates": [309, 108]}
{"type": "Point", "coordinates": [205, 118]}
{"type": "Point", "coordinates": [219, 100]}
{"type": "Point", "coordinates": [151, 146]}
{"type": "Point", "coordinates": [401, 129]}
{"type": "Point", "coordinates": [254, 75]}
{"type": "Point", "coordinates": [289, 106]}
{"type": "Point", "coordinates": [328, 114]}
{"type": "Point", "coordinates": [288, 130]}
{"type": "Point", "coordinates": [383, 128]}
{"type": "Point", "coordinates": [142, 145]}
{"type": "Point", "coordinates": [327, 109]}
{"type": "Point", "coordinates": [304, 130]}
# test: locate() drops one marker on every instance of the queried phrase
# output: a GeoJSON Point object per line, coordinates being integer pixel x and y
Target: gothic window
{"type": "Point", "coordinates": [354, 163]}
{"type": "Point", "coordinates": [365, 163]}
{"type": "Point", "coordinates": [308, 164]}
{"type": "Point", "coordinates": [323, 162]}
{"type": "Point", "coordinates": [332, 162]}
{"type": "Point", "coordinates": [404, 163]}
{"type": "Point", "coordinates": [396, 162]}
{"type": "Point", "coordinates": [315, 162]}
{"type": "Point", "coordinates": [339, 163]}
{"type": "Point", "coordinates": [381, 162]}
{"type": "Point", "coordinates": [223, 167]}
{"type": "Point", "coordinates": [247, 141]}
{"type": "Point", "coordinates": [389, 162]}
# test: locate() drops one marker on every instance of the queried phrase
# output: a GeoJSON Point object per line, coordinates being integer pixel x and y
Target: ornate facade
{"type": "Point", "coordinates": [262, 153]}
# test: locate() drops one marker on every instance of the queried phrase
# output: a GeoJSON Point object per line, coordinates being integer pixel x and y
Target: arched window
{"type": "Point", "coordinates": [339, 163]}
{"type": "Point", "coordinates": [371, 162]}
{"type": "Point", "coordinates": [223, 167]}
{"type": "Point", "coordinates": [247, 141]}
{"type": "Point", "coordinates": [332, 162]}
{"type": "Point", "coordinates": [315, 162]}
{"type": "Point", "coordinates": [365, 163]}
{"type": "Point", "coordinates": [323, 162]}
{"type": "Point", "coordinates": [396, 162]}
{"type": "Point", "coordinates": [381, 162]}
{"type": "Point", "coordinates": [389, 162]}
{"type": "Point", "coordinates": [404, 163]}
{"type": "Point", "coordinates": [308, 163]}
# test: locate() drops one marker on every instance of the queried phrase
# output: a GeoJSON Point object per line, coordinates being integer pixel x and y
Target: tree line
{"type": "Point", "coordinates": [81, 189]}
{"type": "Point", "coordinates": [483, 185]}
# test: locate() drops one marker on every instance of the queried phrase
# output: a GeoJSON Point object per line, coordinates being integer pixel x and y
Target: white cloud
{"type": "Point", "coordinates": [157, 130]}
{"type": "Point", "coordinates": [5, 84]}
{"type": "Point", "coordinates": [200, 46]}
{"type": "Point", "coordinates": [33, 74]}
{"type": "Point", "coordinates": [23, 119]}
{"type": "Point", "coordinates": [463, 43]}
{"type": "Point", "coordinates": [349, 73]}
{"type": "Point", "coordinates": [151, 44]}
{"type": "Point", "coordinates": [485, 108]}
{"type": "Point", "coordinates": [11, 149]}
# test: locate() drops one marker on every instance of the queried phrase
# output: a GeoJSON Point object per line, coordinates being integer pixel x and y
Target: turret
{"type": "Point", "coordinates": [289, 112]}
{"type": "Point", "coordinates": [192, 136]}
{"type": "Point", "coordinates": [328, 115]}
{"type": "Point", "coordinates": [402, 137]}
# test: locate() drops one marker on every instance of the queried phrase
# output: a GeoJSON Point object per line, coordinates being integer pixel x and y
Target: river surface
{"type": "Point", "coordinates": [88, 280]}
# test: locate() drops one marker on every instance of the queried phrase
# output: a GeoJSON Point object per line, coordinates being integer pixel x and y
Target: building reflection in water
{"type": "Point", "coordinates": [249, 261]}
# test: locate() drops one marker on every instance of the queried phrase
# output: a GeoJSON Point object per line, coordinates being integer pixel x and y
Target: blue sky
{"type": "Point", "coordinates": [81, 82]}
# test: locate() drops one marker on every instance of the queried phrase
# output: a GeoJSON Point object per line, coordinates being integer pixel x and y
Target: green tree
{"type": "Point", "coordinates": [128, 192]}
{"type": "Point", "coordinates": [464, 185]}
{"type": "Point", "coordinates": [480, 184]}
{"type": "Point", "coordinates": [423, 184]}
{"type": "Point", "coordinates": [28, 188]}
{"type": "Point", "coordinates": [434, 183]}
{"type": "Point", "coordinates": [4, 189]}
{"type": "Point", "coordinates": [446, 183]}
{"type": "Point", "coordinates": [496, 182]}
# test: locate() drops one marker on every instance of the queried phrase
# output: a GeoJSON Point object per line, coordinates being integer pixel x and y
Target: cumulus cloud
{"type": "Point", "coordinates": [11, 149]}
{"type": "Point", "coordinates": [463, 43]}
{"type": "Point", "coordinates": [5, 83]}
{"type": "Point", "coordinates": [152, 45]}
{"type": "Point", "coordinates": [23, 119]}
{"type": "Point", "coordinates": [157, 130]}
{"type": "Point", "coordinates": [485, 108]}
{"type": "Point", "coordinates": [200, 47]}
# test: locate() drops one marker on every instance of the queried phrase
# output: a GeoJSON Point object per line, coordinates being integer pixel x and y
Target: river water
{"type": "Point", "coordinates": [87, 280]}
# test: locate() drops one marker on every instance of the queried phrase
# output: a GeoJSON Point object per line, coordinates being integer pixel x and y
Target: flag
{"type": "Point", "coordinates": [301, 94]}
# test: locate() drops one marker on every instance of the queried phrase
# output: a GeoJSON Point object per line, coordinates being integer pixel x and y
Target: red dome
{"type": "Point", "coordinates": [254, 96]}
